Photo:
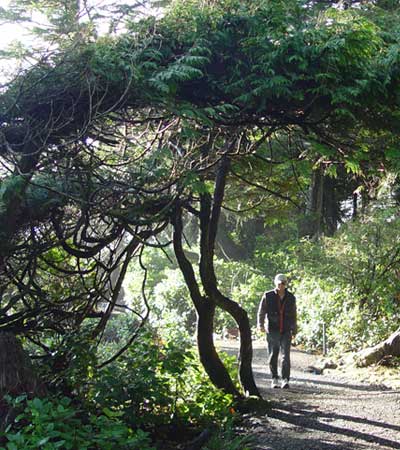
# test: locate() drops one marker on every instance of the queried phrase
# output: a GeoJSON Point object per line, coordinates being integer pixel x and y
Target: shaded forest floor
{"type": "Point", "coordinates": [343, 409]}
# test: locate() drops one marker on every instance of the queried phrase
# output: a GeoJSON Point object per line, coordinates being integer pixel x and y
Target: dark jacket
{"type": "Point", "coordinates": [278, 315]}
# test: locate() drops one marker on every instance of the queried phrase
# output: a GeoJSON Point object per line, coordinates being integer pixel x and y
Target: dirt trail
{"type": "Point", "coordinates": [331, 411]}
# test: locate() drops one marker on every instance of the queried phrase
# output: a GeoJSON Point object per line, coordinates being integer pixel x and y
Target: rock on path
{"type": "Point", "coordinates": [331, 411]}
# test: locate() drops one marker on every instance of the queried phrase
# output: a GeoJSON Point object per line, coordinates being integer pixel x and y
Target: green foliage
{"type": "Point", "coordinates": [172, 303]}
{"type": "Point", "coordinates": [156, 382]}
{"type": "Point", "coordinates": [277, 58]}
{"type": "Point", "coordinates": [350, 282]}
{"type": "Point", "coordinates": [49, 424]}
{"type": "Point", "coordinates": [113, 61]}
{"type": "Point", "coordinates": [119, 327]}
{"type": "Point", "coordinates": [73, 364]}
{"type": "Point", "coordinates": [186, 68]}
{"type": "Point", "coordinates": [138, 384]}
{"type": "Point", "coordinates": [204, 69]}
{"type": "Point", "coordinates": [207, 403]}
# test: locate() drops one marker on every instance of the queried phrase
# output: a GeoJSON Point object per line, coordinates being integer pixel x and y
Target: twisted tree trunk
{"type": "Point", "coordinates": [205, 304]}
{"type": "Point", "coordinates": [205, 309]}
{"type": "Point", "coordinates": [209, 217]}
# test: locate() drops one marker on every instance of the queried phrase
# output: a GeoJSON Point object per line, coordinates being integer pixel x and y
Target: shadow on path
{"type": "Point", "coordinates": [301, 408]}
{"type": "Point", "coordinates": [299, 416]}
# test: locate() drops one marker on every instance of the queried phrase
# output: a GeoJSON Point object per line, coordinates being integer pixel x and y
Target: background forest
{"type": "Point", "coordinates": [160, 163]}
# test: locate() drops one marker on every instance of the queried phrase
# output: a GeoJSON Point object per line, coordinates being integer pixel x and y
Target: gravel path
{"type": "Point", "coordinates": [331, 411]}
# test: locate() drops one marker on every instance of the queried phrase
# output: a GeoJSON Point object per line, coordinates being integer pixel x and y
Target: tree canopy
{"type": "Point", "coordinates": [108, 140]}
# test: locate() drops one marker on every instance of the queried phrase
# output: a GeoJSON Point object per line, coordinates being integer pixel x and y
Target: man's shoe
{"type": "Point", "coordinates": [274, 383]}
{"type": "Point", "coordinates": [285, 384]}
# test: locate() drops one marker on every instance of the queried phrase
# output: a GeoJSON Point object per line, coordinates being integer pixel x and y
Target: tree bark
{"type": "Point", "coordinates": [16, 375]}
{"type": "Point", "coordinates": [209, 215]}
{"type": "Point", "coordinates": [330, 206]}
{"type": "Point", "coordinates": [323, 211]}
{"type": "Point", "coordinates": [205, 309]}
{"type": "Point", "coordinates": [210, 209]}
{"type": "Point", "coordinates": [213, 365]}
{"type": "Point", "coordinates": [246, 346]}
{"type": "Point", "coordinates": [313, 220]}
{"type": "Point", "coordinates": [373, 355]}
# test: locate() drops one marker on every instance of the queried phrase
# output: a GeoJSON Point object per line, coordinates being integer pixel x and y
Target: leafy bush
{"type": "Point", "coordinates": [158, 385]}
{"type": "Point", "coordinates": [172, 303]}
{"type": "Point", "coordinates": [156, 382]}
{"type": "Point", "coordinates": [51, 424]}
{"type": "Point", "coordinates": [70, 362]}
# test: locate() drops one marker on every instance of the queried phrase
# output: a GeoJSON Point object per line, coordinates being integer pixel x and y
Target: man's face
{"type": "Point", "coordinates": [280, 285]}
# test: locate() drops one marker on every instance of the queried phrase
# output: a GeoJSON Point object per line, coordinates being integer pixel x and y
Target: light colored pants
{"type": "Point", "coordinates": [279, 342]}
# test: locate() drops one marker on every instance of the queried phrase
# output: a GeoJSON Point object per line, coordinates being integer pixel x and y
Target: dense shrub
{"type": "Point", "coordinates": [157, 382]}
{"type": "Point", "coordinates": [51, 424]}
{"type": "Point", "coordinates": [156, 387]}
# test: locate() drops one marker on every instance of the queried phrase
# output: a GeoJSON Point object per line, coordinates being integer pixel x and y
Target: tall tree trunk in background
{"type": "Point", "coordinates": [322, 214]}
{"type": "Point", "coordinates": [313, 224]}
{"type": "Point", "coordinates": [330, 207]}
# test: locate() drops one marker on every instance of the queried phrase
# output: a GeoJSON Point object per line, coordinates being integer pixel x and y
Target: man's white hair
{"type": "Point", "coordinates": [280, 277]}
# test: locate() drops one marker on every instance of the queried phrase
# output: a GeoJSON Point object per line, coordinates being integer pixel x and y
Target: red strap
{"type": "Point", "coordinates": [281, 306]}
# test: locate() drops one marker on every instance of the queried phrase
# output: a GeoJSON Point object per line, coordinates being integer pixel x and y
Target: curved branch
{"type": "Point", "coordinates": [263, 188]}
{"type": "Point", "coordinates": [184, 264]}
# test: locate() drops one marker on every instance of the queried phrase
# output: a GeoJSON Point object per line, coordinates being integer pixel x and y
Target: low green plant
{"type": "Point", "coordinates": [229, 439]}
{"type": "Point", "coordinates": [49, 424]}
{"type": "Point", "coordinates": [200, 401]}
{"type": "Point", "coordinates": [157, 382]}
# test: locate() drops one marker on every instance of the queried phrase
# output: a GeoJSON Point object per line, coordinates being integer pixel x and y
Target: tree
{"type": "Point", "coordinates": [115, 137]}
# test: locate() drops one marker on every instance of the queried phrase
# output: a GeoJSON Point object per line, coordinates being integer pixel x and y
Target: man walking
{"type": "Point", "coordinates": [278, 318]}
